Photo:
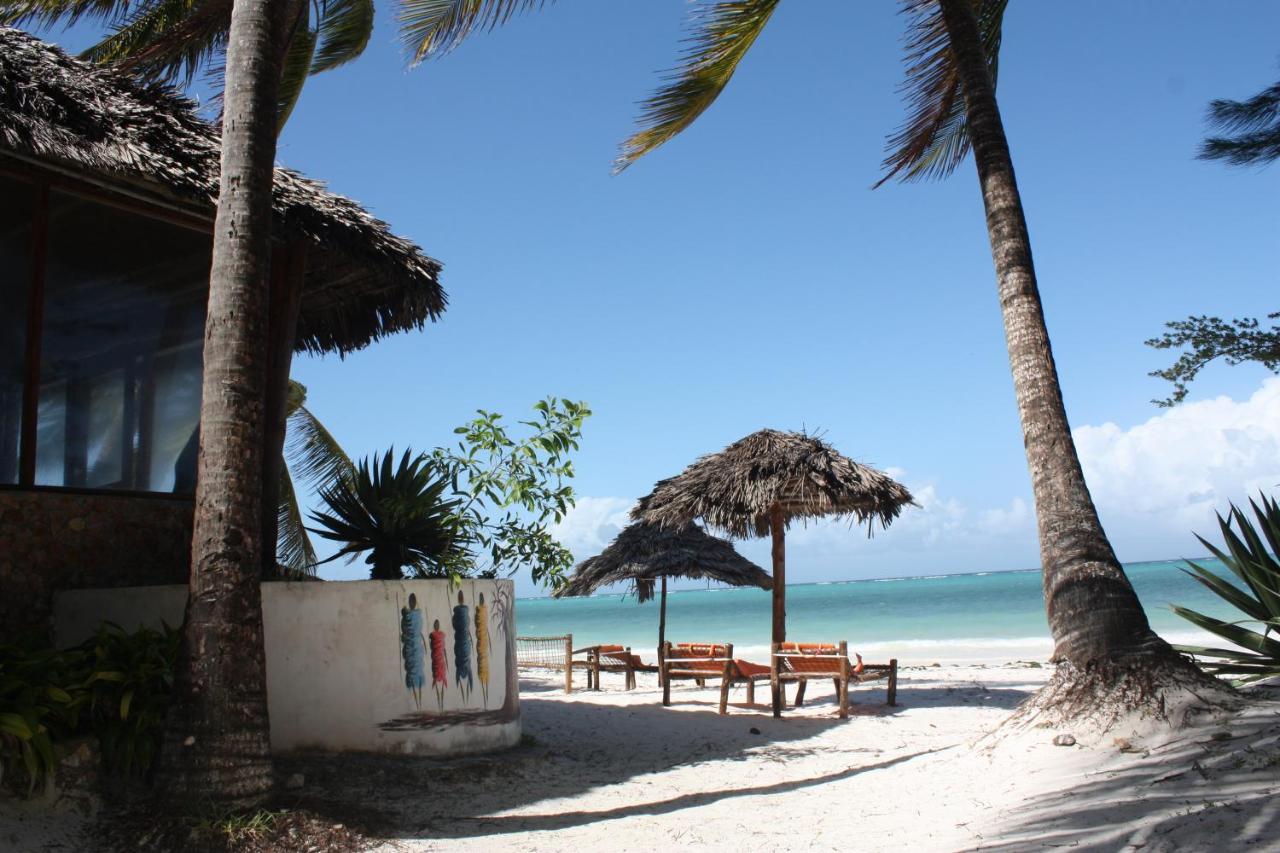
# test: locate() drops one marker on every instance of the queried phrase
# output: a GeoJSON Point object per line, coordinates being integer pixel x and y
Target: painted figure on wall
{"type": "Point", "coordinates": [462, 648]}
{"type": "Point", "coordinates": [482, 647]}
{"type": "Point", "coordinates": [439, 664]}
{"type": "Point", "coordinates": [413, 648]}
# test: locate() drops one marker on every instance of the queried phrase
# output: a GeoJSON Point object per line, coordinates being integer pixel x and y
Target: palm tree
{"type": "Point", "coordinates": [217, 737]}
{"type": "Point", "coordinates": [1250, 130]}
{"type": "Point", "coordinates": [319, 462]}
{"type": "Point", "coordinates": [401, 516]}
{"type": "Point", "coordinates": [1102, 636]}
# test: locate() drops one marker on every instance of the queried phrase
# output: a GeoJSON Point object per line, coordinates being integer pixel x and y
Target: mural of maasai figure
{"type": "Point", "coordinates": [482, 647]}
{"type": "Point", "coordinates": [462, 648]}
{"type": "Point", "coordinates": [413, 648]}
{"type": "Point", "coordinates": [439, 663]}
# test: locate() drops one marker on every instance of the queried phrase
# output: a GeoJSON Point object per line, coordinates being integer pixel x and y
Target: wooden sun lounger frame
{"type": "Point", "coordinates": [841, 674]}
{"type": "Point", "coordinates": [729, 673]}
{"type": "Point", "coordinates": [619, 660]}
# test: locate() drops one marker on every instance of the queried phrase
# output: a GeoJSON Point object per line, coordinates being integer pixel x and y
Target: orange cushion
{"type": "Point", "coordinates": [748, 669]}
{"type": "Point", "coordinates": [604, 649]}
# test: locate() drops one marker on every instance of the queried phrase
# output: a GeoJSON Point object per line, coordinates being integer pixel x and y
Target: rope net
{"type": "Point", "coordinates": [544, 652]}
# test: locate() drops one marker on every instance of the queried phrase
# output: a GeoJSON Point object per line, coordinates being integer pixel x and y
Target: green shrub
{"type": "Point", "coordinates": [39, 704]}
{"type": "Point", "coordinates": [129, 682]}
{"type": "Point", "coordinates": [115, 686]}
{"type": "Point", "coordinates": [1257, 595]}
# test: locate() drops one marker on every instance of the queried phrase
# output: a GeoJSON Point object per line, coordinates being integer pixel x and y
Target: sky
{"type": "Point", "coordinates": [746, 275]}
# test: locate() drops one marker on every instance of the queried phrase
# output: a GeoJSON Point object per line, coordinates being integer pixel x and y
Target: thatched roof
{"type": "Point", "coordinates": [105, 128]}
{"type": "Point", "coordinates": [733, 490]}
{"type": "Point", "coordinates": [644, 552]}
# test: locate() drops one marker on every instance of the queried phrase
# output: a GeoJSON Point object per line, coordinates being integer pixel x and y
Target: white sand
{"type": "Point", "coordinates": [615, 770]}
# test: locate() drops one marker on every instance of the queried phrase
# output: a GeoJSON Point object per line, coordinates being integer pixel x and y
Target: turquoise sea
{"type": "Point", "coordinates": [963, 617]}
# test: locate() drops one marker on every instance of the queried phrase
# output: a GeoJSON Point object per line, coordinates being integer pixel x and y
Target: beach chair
{"type": "Point", "coordinates": [614, 659]}
{"type": "Point", "coordinates": [800, 662]}
{"type": "Point", "coordinates": [701, 661]}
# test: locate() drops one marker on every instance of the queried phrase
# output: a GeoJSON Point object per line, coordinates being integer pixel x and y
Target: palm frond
{"type": "Point", "coordinates": [935, 138]}
{"type": "Point", "coordinates": [297, 65]}
{"type": "Point", "coordinates": [432, 28]}
{"type": "Point", "coordinates": [344, 29]}
{"type": "Point", "coordinates": [167, 40]}
{"type": "Point", "coordinates": [722, 34]}
{"type": "Point", "coordinates": [310, 449]}
{"type": "Point", "coordinates": [293, 546]}
{"type": "Point", "coordinates": [49, 13]}
{"type": "Point", "coordinates": [1249, 130]}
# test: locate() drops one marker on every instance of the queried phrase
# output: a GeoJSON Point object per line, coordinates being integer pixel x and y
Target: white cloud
{"type": "Point", "coordinates": [1153, 483]}
{"type": "Point", "coordinates": [591, 525]}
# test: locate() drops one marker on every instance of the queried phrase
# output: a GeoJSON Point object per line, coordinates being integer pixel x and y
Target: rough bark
{"type": "Point", "coordinates": [217, 739]}
{"type": "Point", "coordinates": [778, 531]}
{"type": "Point", "coordinates": [1096, 619]}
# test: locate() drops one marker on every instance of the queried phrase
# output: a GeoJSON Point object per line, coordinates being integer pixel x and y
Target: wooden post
{"type": "Point", "coordinates": [893, 682]}
{"type": "Point", "coordinates": [726, 678]}
{"type": "Point", "coordinates": [594, 657]}
{"type": "Point", "coordinates": [775, 683]}
{"type": "Point", "coordinates": [288, 270]}
{"type": "Point", "coordinates": [568, 663]}
{"type": "Point", "coordinates": [666, 676]}
{"type": "Point", "coordinates": [842, 693]}
{"type": "Point", "coordinates": [662, 630]}
{"type": "Point", "coordinates": [631, 670]}
{"type": "Point", "coordinates": [777, 527]}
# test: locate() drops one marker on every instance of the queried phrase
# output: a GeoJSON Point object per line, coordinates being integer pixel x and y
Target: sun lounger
{"type": "Point", "coordinates": [800, 662]}
{"type": "Point", "coordinates": [614, 659]}
{"type": "Point", "coordinates": [701, 661]}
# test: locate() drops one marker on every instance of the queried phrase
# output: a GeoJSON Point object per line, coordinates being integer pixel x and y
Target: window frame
{"type": "Point", "coordinates": [41, 183]}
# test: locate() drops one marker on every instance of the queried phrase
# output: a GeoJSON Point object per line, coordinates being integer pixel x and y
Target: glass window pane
{"type": "Point", "coordinates": [121, 349]}
{"type": "Point", "coordinates": [16, 211]}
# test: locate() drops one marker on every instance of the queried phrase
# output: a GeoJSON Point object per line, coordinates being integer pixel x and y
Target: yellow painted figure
{"type": "Point", "coordinates": [482, 647]}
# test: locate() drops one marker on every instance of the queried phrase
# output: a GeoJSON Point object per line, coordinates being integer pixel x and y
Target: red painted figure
{"type": "Point", "coordinates": [439, 663]}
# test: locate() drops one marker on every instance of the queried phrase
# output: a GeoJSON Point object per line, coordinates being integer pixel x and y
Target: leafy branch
{"type": "Point", "coordinates": [1210, 338]}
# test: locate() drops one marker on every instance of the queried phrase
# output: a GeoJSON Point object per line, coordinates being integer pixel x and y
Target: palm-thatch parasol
{"type": "Point", "coordinates": [760, 484]}
{"type": "Point", "coordinates": [644, 553]}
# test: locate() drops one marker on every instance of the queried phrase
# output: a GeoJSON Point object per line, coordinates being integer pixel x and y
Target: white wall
{"type": "Point", "coordinates": [336, 670]}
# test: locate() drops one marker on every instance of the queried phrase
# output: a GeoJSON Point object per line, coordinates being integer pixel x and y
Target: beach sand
{"type": "Point", "coordinates": [614, 770]}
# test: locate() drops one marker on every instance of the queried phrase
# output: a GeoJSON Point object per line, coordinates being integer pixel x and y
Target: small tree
{"type": "Point", "coordinates": [512, 489]}
{"type": "Point", "coordinates": [1210, 338]}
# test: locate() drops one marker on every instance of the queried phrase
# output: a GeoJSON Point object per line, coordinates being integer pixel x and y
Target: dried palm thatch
{"type": "Point", "coordinates": [63, 116]}
{"type": "Point", "coordinates": [737, 489]}
{"type": "Point", "coordinates": [642, 553]}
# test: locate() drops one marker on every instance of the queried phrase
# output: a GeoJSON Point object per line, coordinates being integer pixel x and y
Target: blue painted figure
{"type": "Point", "coordinates": [413, 649]}
{"type": "Point", "coordinates": [462, 648]}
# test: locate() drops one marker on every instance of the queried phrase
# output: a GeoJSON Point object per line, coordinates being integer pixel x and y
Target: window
{"type": "Point", "coordinates": [16, 213]}
{"type": "Point", "coordinates": [120, 349]}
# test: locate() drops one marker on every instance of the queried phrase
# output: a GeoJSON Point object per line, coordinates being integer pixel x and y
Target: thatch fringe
{"type": "Point", "coordinates": [642, 553]}
{"type": "Point", "coordinates": [734, 490]}
{"type": "Point", "coordinates": [363, 282]}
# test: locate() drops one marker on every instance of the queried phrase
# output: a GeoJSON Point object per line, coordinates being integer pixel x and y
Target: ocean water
{"type": "Point", "coordinates": [987, 616]}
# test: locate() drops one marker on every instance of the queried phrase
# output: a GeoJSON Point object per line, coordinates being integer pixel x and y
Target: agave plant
{"type": "Point", "coordinates": [1255, 593]}
{"type": "Point", "coordinates": [403, 515]}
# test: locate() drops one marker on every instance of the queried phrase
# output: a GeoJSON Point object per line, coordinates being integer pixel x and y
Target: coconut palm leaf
{"type": "Point", "coordinates": [293, 546]}
{"type": "Point", "coordinates": [298, 59]}
{"type": "Point", "coordinates": [722, 35]}
{"type": "Point", "coordinates": [1250, 130]}
{"type": "Point", "coordinates": [935, 138]}
{"type": "Point", "coordinates": [342, 31]}
{"type": "Point", "coordinates": [431, 28]}
{"type": "Point", "coordinates": [1253, 561]}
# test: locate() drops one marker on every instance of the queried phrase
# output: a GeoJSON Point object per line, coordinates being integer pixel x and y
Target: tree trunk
{"type": "Point", "coordinates": [1098, 624]}
{"type": "Point", "coordinates": [662, 630]}
{"type": "Point", "coordinates": [778, 530]}
{"type": "Point", "coordinates": [217, 738]}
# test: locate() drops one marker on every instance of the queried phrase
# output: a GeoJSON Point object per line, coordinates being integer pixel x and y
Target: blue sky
{"type": "Point", "coordinates": [747, 276]}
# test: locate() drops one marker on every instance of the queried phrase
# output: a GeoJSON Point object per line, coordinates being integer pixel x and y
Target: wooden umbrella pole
{"type": "Point", "coordinates": [662, 629]}
{"type": "Point", "coordinates": [777, 527]}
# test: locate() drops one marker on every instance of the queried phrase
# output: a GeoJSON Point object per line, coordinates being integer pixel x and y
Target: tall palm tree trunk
{"type": "Point", "coordinates": [217, 744]}
{"type": "Point", "coordinates": [1096, 619]}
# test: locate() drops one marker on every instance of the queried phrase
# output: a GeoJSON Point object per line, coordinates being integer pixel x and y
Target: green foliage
{"type": "Point", "coordinates": [39, 704]}
{"type": "Point", "coordinates": [314, 455]}
{"type": "Point", "coordinates": [1210, 338]}
{"type": "Point", "coordinates": [1250, 130]}
{"type": "Point", "coordinates": [402, 516]}
{"type": "Point", "coordinates": [128, 686]}
{"type": "Point", "coordinates": [514, 488]}
{"type": "Point", "coordinates": [1250, 556]}
{"type": "Point", "coordinates": [115, 686]}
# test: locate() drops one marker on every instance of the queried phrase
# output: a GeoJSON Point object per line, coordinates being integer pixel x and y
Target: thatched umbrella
{"type": "Point", "coordinates": [643, 554]}
{"type": "Point", "coordinates": [760, 484]}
